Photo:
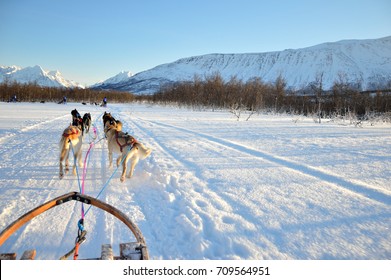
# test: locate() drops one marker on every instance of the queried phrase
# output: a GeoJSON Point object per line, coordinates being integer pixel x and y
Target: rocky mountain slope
{"type": "Point", "coordinates": [366, 63]}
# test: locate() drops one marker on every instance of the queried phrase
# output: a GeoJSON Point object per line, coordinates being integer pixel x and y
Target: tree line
{"type": "Point", "coordinates": [255, 96]}
{"type": "Point", "coordinates": [34, 93]}
{"type": "Point", "coordinates": [214, 93]}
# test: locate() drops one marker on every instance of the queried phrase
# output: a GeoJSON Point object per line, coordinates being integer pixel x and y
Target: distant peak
{"type": "Point", "coordinates": [54, 73]}
{"type": "Point", "coordinates": [119, 78]}
{"type": "Point", "coordinates": [37, 67]}
{"type": "Point", "coordinates": [35, 74]}
{"type": "Point", "coordinates": [126, 74]}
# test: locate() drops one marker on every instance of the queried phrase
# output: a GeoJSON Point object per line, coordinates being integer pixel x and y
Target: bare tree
{"type": "Point", "coordinates": [317, 87]}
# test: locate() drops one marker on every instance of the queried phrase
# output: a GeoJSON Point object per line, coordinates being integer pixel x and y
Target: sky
{"type": "Point", "coordinates": [92, 40]}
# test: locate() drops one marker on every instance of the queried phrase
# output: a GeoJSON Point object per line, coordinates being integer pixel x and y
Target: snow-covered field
{"type": "Point", "coordinates": [274, 187]}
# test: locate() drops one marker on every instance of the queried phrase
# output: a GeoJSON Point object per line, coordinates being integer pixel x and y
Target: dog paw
{"type": "Point", "coordinates": [61, 176]}
{"type": "Point", "coordinates": [122, 179]}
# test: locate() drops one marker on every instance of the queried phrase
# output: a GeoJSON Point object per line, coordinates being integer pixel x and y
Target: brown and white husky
{"type": "Point", "coordinates": [71, 135]}
{"type": "Point", "coordinates": [126, 146]}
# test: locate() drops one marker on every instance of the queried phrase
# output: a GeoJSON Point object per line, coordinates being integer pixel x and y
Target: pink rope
{"type": "Point", "coordinates": [85, 170]}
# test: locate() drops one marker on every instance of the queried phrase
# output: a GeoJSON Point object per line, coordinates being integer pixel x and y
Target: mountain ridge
{"type": "Point", "coordinates": [35, 74]}
{"type": "Point", "coordinates": [365, 63]}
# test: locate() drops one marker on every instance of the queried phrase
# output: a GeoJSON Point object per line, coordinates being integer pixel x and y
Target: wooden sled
{"type": "Point", "coordinates": [128, 251]}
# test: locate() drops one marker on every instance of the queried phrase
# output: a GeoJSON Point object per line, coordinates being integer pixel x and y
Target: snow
{"type": "Point", "coordinates": [274, 187]}
{"type": "Point", "coordinates": [119, 78]}
{"type": "Point", "coordinates": [35, 74]}
{"type": "Point", "coordinates": [364, 62]}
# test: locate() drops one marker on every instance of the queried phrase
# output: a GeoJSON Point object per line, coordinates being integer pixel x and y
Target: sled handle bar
{"type": "Point", "coordinates": [7, 232]}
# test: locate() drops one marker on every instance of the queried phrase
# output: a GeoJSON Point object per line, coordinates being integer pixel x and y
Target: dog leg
{"type": "Point", "coordinates": [119, 160]}
{"type": "Point", "coordinates": [67, 162]}
{"type": "Point", "coordinates": [74, 164]}
{"type": "Point", "coordinates": [110, 159]}
{"type": "Point", "coordinates": [124, 167]}
{"type": "Point", "coordinates": [132, 166]}
{"type": "Point", "coordinates": [123, 172]}
{"type": "Point", "coordinates": [61, 175]}
{"type": "Point", "coordinates": [62, 157]}
{"type": "Point", "coordinates": [79, 156]}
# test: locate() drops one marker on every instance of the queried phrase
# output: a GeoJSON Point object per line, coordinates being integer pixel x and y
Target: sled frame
{"type": "Point", "coordinates": [12, 228]}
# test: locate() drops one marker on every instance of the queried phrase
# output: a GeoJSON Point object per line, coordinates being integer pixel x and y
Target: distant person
{"type": "Point", "coordinates": [104, 102]}
{"type": "Point", "coordinates": [64, 100]}
{"type": "Point", "coordinates": [14, 99]}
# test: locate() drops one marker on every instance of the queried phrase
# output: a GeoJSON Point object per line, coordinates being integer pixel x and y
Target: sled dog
{"type": "Point", "coordinates": [107, 118]}
{"type": "Point", "coordinates": [72, 135]}
{"type": "Point", "coordinates": [86, 122]}
{"type": "Point", "coordinates": [76, 117]}
{"type": "Point", "coordinates": [126, 146]}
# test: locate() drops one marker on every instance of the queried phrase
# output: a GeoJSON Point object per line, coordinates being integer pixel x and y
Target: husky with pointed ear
{"type": "Point", "coordinates": [86, 122]}
{"type": "Point", "coordinates": [76, 117]}
{"type": "Point", "coordinates": [72, 135]}
{"type": "Point", "coordinates": [126, 146]}
{"type": "Point", "coordinates": [107, 117]}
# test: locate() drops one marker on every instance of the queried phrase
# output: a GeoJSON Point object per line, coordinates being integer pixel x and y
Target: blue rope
{"type": "Point", "coordinates": [81, 221]}
{"type": "Point", "coordinates": [108, 181]}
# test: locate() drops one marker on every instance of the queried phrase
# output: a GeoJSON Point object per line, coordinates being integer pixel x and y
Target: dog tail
{"type": "Point", "coordinates": [64, 147]}
{"type": "Point", "coordinates": [144, 152]}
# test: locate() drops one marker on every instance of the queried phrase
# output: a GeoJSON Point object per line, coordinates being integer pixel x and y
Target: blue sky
{"type": "Point", "coordinates": [92, 40]}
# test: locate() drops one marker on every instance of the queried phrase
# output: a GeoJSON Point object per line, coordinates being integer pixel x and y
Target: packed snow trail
{"type": "Point", "coordinates": [213, 188]}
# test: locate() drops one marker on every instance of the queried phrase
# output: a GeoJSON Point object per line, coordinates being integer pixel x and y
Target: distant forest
{"type": "Point", "coordinates": [257, 96]}
{"type": "Point", "coordinates": [253, 96]}
{"type": "Point", "coordinates": [35, 93]}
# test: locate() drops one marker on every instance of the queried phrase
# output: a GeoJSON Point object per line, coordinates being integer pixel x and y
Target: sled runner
{"type": "Point", "coordinates": [133, 250]}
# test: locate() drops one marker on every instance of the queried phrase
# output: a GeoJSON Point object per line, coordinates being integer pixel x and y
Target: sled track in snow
{"type": "Point", "coordinates": [23, 140]}
{"type": "Point", "coordinates": [358, 188]}
{"type": "Point", "coordinates": [189, 208]}
{"type": "Point", "coordinates": [189, 202]}
{"type": "Point", "coordinates": [25, 144]}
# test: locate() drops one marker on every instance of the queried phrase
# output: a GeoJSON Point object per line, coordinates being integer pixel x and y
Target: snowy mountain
{"type": "Point", "coordinates": [117, 79]}
{"type": "Point", "coordinates": [35, 75]}
{"type": "Point", "coordinates": [364, 62]}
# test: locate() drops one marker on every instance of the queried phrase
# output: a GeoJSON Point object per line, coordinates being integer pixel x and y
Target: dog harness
{"type": "Point", "coordinates": [77, 121]}
{"type": "Point", "coordinates": [128, 142]}
{"type": "Point", "coordinates": [71, 132]}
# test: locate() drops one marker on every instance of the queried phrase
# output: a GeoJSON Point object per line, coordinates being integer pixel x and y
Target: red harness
{"type": "Point", "coordinates": [130, 143]}
{"type": "Point", "coordinates": [71, 132]}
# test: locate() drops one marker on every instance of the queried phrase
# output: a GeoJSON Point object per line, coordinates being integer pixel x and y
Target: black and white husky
{"type": "Point", "coordinates": [86, 122]}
